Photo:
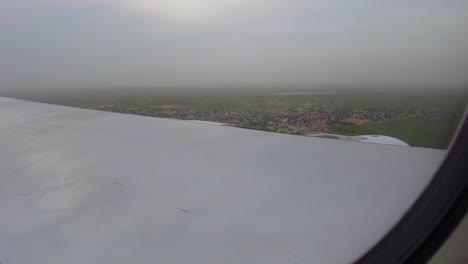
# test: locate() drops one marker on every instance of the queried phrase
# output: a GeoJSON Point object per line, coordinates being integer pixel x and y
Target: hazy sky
{"type": "Point", "coordinates": [105, 43]}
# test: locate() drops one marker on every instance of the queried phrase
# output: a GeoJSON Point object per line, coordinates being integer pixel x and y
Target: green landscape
{"type": "Point", "coordinates": [421, 118]}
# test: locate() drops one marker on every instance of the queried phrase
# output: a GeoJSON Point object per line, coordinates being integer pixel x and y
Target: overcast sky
{"type": "Point", "coordinates": [105, 43]}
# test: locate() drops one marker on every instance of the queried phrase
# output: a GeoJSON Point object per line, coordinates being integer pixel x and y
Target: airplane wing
{"type": "Point", "coordinates": [84, 186]}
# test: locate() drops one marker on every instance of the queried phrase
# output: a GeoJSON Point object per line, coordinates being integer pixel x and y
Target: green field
{"type": "Point", "coordinates": [424, 133]}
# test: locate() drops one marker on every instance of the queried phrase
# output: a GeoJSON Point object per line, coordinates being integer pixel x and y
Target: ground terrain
{"type": "Point", "coordinates": [420, 118]}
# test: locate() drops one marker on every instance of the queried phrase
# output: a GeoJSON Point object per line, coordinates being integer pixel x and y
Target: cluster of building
{"type": "Point", "coordinates": [307, 119]}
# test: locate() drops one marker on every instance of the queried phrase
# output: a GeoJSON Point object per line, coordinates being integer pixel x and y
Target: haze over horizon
{"type": "Point", "coordinates": [226, 43]}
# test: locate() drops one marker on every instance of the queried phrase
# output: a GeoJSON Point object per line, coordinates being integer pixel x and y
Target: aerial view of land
{"type": "Point", "coordinates": [420, 118]}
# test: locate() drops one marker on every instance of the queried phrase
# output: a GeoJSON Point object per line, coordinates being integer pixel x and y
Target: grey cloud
{"type": "Point", "coordinates": [66, 44]}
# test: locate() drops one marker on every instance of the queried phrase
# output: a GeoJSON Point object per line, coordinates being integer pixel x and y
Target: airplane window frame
{"type": "Point", "coordinates": [434, 216]}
